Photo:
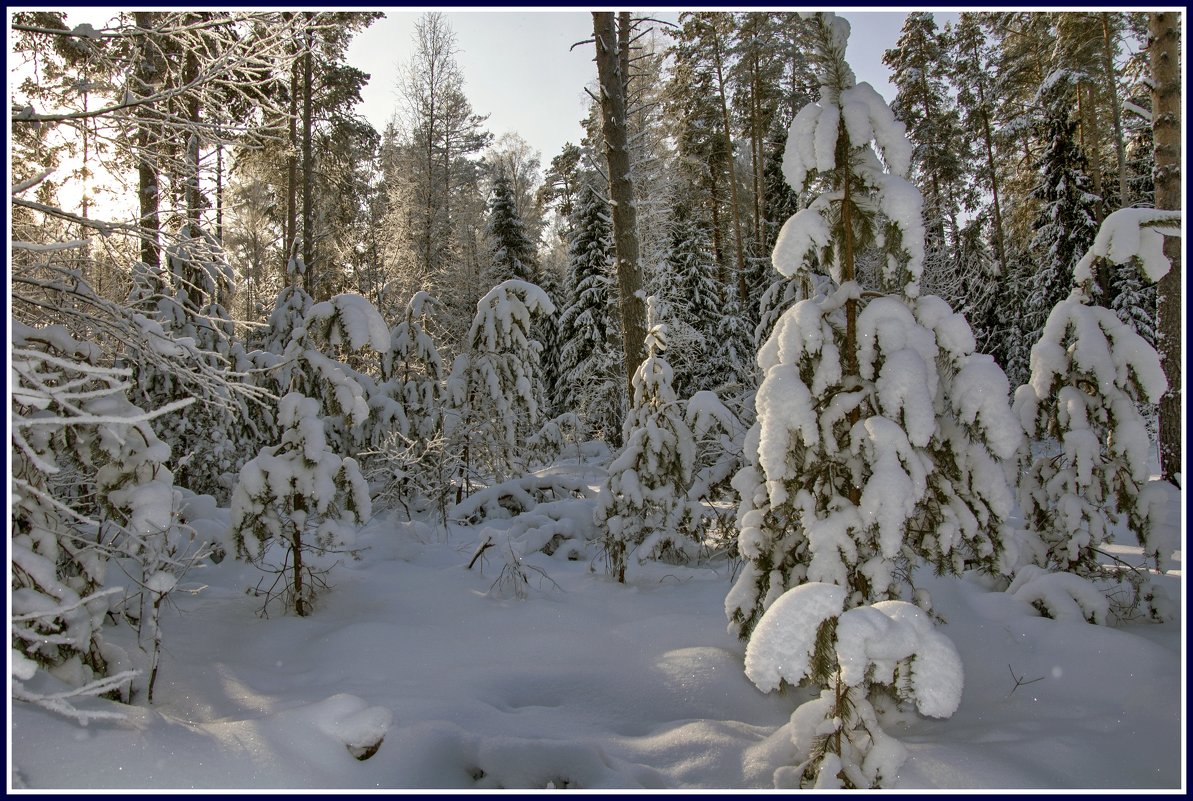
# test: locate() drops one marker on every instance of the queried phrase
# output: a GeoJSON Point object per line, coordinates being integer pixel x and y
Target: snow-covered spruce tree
{"type": "Point", "coordinates": [495, 391]}
{"type": "Point", "coordinates": [1067, 220]}
{"type": "Point", "coordinates": [1134, 301]}
{"type": "Point", "coordinates": [545, 328]}
{"type": "Point", "coordinates": [89, 485]}
{"type": "Point", "coordinates": [977, 268]}
{"type": "Point", "coordinates": [591, 381]}
{"type": "Point", "coordinates": [299, 496]}
{"type": "Point", "coordinates": [1087, 465]}
{"type": "Point", "coordinates": [513, 257]}
{"type": "Point", "coordinates": [688, 287]}
{"type": "Point", "coordinates": [317, 362]}
{"type": "Point", "coordinates": [731, 372]}
{"type": "Point", "coordinates": [879, 431]}
{"type": "Point", "coordinates": [412, 369]}
{"type": "Point", "coordinates": [642, 508]}
{"type": "Point", "coordinates": [513, 254]}
{"type": "Point", "coordinates": [409, 463]}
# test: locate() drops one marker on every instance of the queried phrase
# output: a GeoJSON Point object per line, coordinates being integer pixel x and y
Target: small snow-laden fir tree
{"type": "Point", "coordinates": [289, 309]}
{"type": "Point", "coordinates": [1087, 466]}
{"type": "Point", "coordinates": [880, 433]}
{"type": "Point", "coordinates": [213, 437]}
{"type": "Point", "coordinates": [718, 431]}
{"type": "Point", "coordinates": [299, 496]}
{"type": "Point", "coordinates": [412, 369]}
{"type": "Point", "coordinates": [409, 463]}
{"type": "Point", "coordinates": [642, 509]}
{"type": "Point", "coordinates": [316, 362]}
{"type": "Point", "coordinates": [591, 382]}
{"type": "Point", "coordinates": [494, 392]}
{"type": "Point", "coordinates": [89, 486]}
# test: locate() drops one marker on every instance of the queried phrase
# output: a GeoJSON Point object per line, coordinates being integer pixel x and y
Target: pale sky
{"type": "Point", "coordinates": [518, 68]}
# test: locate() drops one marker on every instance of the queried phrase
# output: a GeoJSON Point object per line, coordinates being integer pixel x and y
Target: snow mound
{"type": "Point", "coordinates": [351, 721]}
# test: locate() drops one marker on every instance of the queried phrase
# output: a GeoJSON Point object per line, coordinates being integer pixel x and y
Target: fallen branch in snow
{"type": "Point", "coordinates": [1020, 681]}
{"type": "Point", "coordinates": [484, 546]}
{"type": "Point", "coordinates": [517, 496]}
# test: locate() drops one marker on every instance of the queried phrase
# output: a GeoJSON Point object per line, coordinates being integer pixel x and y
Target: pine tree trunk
{"type": "Point", "coordinates": [1091, 142]}
{"type": "Point", "coordinates": [728, 133]}
{"type": "Point", "coordinates": [849, 361]}
{"type": "Point", "coordinates": [621, 189]}
{"type": "Point", "coordinates": [291, 165]}
{"type": "Point", "coordinates": [1000, 249]}
{"type": "Point", "coordinates": [308, 167]}
{"type": "Point", "coordinates": [1116, 116]}
{"type": "Point", "coordinates": [756, 149]}
{"type": "Point", "coordinates": [148, 185]}
{"type": "Point", "coordinates": [301, 608]}
{"type": "Point", "coordinates": [718, 246]}
{"type": "Point", "coordinates": [219, 192]}
{"type": "Point", "coordinates": [1166, 130]}
{"type": "Point", "coordinates": [189, 75]}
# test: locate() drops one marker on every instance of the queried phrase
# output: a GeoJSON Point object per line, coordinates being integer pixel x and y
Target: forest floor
{"type": "Point", "coordinates": [582, 683]}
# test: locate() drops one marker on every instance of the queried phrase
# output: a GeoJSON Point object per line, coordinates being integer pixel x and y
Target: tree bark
{"type": "Point", "coordinates": [728, 133]}
{"type": "Point", "coordinates": [192, 199]}
{"type": "Point", "coordinates": [849, 361]}
{"type": "Point", "coordinates": [308, 167]}
{"type": "Point", "coordinates": [621, 189]}
{"type": "Point", "coordinates": [1116, 116]}
{"type": "Point", "coordinates": [988, 140]}
{"type": "Point", "coordinates": [1166, 130]}
{"type": "Point", "coordinates": [291, 166]}
{"type": "Point", "coordinates": [148, 185]}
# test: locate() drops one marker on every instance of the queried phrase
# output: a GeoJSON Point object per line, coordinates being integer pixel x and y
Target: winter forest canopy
{"type": "Point", "coordinates": [786, 414]}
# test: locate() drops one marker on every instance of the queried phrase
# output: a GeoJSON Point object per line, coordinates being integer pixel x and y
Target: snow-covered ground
{"type": "Point", "coordinates": [582, 684]}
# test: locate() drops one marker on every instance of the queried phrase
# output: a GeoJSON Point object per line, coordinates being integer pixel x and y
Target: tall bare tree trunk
{"type": "Point", "coordinates": [718, 247]}
{"type": "Point", "coordinates": [849, 360]}
{"type": "Point", "coordinates": [1116, 115]}
{"type": "Point", "coordinates": [737, 240]}
{"type": "Point", "coordinates": [757, 139]}
{"type": "Point", "coordinates": [292, 163]}
{"type": "Point", "coordinates": [1000, 249]}
{"type": "Point", "coordinates": [308, 166]}
{"type": "Point", "coordinates": [621, 187]}
{"type": "Point", "coordinates": [148, 185]}
{"type": "Point", "coordinates": [219, 192]}
{"type": "Point", "coordinates": [189, 75]}
{"type": "Point", "coordinates": [1166, 130]}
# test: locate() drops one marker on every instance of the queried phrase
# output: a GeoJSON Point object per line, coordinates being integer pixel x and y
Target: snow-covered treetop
{"type": "Point", "coordinates": [1130, 234]}
{"type": "Point", "coordinates": [830, 36]}
{"type": "Point", "coordinates": [1092, 340]}
{"type": "Point", "coordinates": [349, 320]}
{"type": "Point", "coordinates": [878, 163]}
{"type": "Point", "coordinates": [510, 303]}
